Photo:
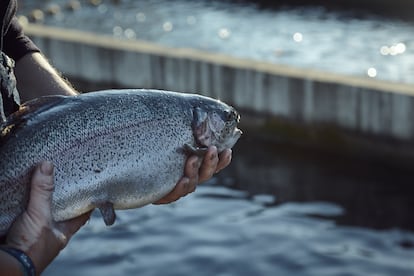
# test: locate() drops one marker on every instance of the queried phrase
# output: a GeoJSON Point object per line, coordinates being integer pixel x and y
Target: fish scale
{"type": "Point", "coordinates": [115, 149]}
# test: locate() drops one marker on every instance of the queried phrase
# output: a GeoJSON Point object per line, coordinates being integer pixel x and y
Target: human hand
{"type": "Point", "coordinates": [34, 232]}
{"type": "Point", "coordinates": [198, 170]}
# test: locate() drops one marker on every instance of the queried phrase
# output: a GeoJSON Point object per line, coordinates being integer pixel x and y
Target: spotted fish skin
{"type": "Point", "coordinates": [124, 148]}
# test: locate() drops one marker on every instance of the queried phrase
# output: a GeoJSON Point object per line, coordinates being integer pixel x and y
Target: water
{"type": "Point", "coordinates": [346, 42]}
{"type": "Point", "coordinates": [274, 211]}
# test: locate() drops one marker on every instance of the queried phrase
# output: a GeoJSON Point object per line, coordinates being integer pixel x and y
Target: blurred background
{"type": "Point", "coordinates": [321, 182]}
{"type": "Point", "coordinates": [339, 38]}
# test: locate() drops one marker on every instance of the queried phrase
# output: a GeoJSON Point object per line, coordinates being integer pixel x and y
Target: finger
{"type": "Point", "coordinates": [181, 189]}
{"type": "Point", "coordinates": [192, 172]}
{"type": "Point", "coordinates": [192, 166]}
{"type": "Point", "coordinates": [187, 184]}
{"type": "Point", "coordinates": [224, 159]}
{"type": "Point", "coordinates": [42, 186]}
{"type": "Point", "coordinates": [209, 165]}
{"type": "Point", "coordinates": [70, 227]}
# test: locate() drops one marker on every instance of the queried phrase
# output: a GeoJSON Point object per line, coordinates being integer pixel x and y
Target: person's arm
{"type": "Point", "coordinates": [9, 264]}
{"type": "Point", "coordinates": [36, 77]}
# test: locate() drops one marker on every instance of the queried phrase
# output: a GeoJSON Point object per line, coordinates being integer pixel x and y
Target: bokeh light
{"type": "Point", "coordinates": [141, 17]}
{"type": "Point", "coordinates": [224, 33]}
{"type": "Point", "coordinates": [167, 26]}
{"type": "Point", "coordinates": [372, 72]}
{"type": "Point", "coordinates": [393, 50]}
{"type": "Point", "coordinates": [298, 37]}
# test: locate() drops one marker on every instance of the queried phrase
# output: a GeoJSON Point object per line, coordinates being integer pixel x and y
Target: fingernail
{"type": "Point", "coordinates": [214, 156]}
{"type": "Point", "coordinates": [46, 168]}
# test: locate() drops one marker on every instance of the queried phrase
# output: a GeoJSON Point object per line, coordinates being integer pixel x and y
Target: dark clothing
{"type": "Point", "coordinates": [15, 43]}
{"type": "Point", "coordinates": [13, 46]}
{"type": "Point", "coordinates": [9, 100]}
{"type": "Point", "coordinates": [7, 12]}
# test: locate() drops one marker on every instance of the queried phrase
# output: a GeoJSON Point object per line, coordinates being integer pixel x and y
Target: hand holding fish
{"type": "Point", "coordinates": [197, 171]}
{"type": "Point", "coordinates": [35, 232]}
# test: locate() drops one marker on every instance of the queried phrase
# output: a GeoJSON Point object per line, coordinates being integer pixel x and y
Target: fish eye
{"type": "Point", "coordinates": [230, 115]}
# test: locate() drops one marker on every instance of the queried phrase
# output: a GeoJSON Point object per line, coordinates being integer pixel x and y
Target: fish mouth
{"type": "Point", "coordinates": [230, 140]}
{"type": "Point", "coordinates": [237, 132]}
{"type": "Point", "coordinates": [233, 119]}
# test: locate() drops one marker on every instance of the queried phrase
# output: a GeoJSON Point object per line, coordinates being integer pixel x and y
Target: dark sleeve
{"type": "Point", "coordinates": [16, 43]}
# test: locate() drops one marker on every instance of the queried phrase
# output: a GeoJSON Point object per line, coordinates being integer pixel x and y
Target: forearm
{"type": "Point", "coordinates": [36, 77]}
{"type": "Point", "coordinates": [9, 265]}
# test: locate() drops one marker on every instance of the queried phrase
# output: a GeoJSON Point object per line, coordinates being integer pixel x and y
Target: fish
{"type": "Point", "coordinates": [111, 149]}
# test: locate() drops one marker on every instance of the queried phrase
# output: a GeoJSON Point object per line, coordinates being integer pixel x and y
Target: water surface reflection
{"type": "Point", "coordinates": [373, 193]}
{"type": "Point", "coordinates": [313, 37]}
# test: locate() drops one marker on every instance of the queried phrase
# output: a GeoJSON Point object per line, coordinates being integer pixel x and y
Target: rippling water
{"type": "Point", "coordinates": [348, 42]}
{"type": "Point", "coordinates": [219, 231]}
{"type": "Point", "coordinates": [272, 212]}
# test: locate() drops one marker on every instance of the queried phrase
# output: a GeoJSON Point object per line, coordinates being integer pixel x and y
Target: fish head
{"type": "Point", "coordinates": [215, 124]}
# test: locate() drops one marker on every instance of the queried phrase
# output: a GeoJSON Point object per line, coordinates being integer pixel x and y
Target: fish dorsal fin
{"type": "Point", "coordinates": [25, 112]}
{"type": "Point", "coordinates": [34, 107]}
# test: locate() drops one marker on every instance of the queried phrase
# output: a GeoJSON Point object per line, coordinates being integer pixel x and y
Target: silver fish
{"type": "Point", "coordinates": [114, 149]}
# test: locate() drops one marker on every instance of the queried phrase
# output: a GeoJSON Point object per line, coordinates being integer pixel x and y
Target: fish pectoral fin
{"type": "Point", "coordinates": [190, 150]}
{"type": "Point", "coordinates": [107, 212]}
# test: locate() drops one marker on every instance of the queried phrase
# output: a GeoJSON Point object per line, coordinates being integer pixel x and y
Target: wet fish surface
{"type": "Point", "coordinates": [113, 149]}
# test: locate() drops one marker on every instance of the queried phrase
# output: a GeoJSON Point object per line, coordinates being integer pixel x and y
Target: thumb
{"type": "Point", "coordinates": [41, 192]}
